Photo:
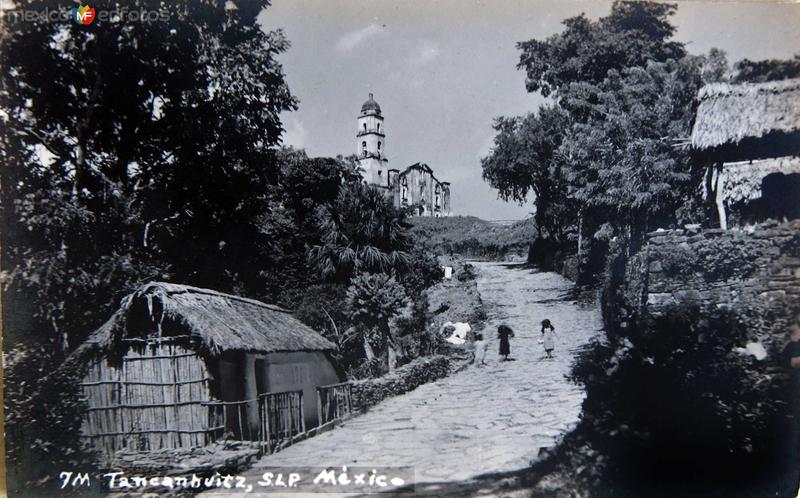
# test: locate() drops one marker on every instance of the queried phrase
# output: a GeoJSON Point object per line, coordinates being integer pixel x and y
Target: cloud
{"type": "Point", "coordinates": [427, 52]}
{"type": "Point", "coordinates": [296, 134]}
{"type": "Point", "coordinates": [355, 38]}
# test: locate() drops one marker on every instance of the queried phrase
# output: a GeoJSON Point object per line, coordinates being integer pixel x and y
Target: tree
{"type": "Point", "coordinates": [747, 71]}
{"type": "Point", "coordinates": [524, 160]}
{"type": "Point", "coordinates": [306, 185]}
{"type": "Point", "coordinates": [633, 34]}
{"type": "Point", "coordinates": [361, 232]}
{"type": "Point", "coordinates": [132, 151]}
{"type": "Point", "coordinates": [623, 165]}
{"type": "Point", "coordinates": [121, 139]}
{"type": "Point", "coordinates": [715, 68]}
{"type": "Point", "coordinates": [604, 157]}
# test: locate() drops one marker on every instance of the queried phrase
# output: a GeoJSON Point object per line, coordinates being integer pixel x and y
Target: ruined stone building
{"type": "Point", "coordinates": [415, 186]}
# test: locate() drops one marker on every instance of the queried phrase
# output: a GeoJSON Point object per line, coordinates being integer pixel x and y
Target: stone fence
{"type": "Point", "coordinates": [367, 393]}
{"type": "Point", "coordinates": [751, 270]}
{"type": "Point", "coordinates": [721, 268]}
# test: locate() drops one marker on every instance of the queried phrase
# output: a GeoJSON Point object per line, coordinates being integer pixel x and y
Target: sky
{"type": "Point", "coordinates": [442, 71]}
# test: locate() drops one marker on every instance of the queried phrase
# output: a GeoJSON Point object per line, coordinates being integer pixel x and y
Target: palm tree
{"type": "Point", "coordinates": [361, 231]}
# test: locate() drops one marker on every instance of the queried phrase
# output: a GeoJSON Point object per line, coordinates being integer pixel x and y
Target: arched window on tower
{"type": "Point", "coordinates": [365, 127]}
{"type": "Point", "coordinates": [379, 127]}
{"type": "Point", "coordinates": [379, 149]}
{"type": "Point", "coordinates": [364, 148]}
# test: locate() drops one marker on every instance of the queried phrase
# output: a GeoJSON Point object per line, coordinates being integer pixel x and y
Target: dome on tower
{"type": "Point", "coordinates": [370, 106]}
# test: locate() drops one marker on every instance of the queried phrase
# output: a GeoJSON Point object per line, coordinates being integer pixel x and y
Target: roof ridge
{"type": "Point", "coordinates": [183, 288]}
{"type": "Point", "coordinates": [721, 89]}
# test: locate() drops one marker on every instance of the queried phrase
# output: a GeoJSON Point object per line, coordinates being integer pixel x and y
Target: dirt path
{"type": "Point", "coordinates": [491, 419]}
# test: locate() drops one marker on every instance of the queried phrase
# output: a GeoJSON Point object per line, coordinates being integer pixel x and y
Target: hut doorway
{"type": "Point", "coordinates": [781, 194]}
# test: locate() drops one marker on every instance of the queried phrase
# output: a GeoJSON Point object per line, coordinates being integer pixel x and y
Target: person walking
{"type": "Point", "coordinates": [480, 349]}
{"type": "Point", "coordinates": [504, 332]}
{"type": "Point", "coordinates": [548, 337]}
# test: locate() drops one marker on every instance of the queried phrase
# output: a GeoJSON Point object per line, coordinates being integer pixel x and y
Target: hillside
{"type": "Point", "coordinates": [473, 237]}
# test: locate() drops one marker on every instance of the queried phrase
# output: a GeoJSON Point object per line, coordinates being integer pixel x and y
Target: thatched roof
{"type": "Point", "coordinates": [743, 181]}
{"type": "Point", "coordinates": [728, 114]}
{"type": "Point", "coordinates": [222, 322]}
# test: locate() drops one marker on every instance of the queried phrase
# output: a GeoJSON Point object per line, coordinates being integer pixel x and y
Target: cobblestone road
{"type": "Point", "coordinates": [488, 419]}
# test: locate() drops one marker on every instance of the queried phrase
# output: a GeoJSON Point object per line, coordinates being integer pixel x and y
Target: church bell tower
{"type": "Point", "coordinates": [371, 144]}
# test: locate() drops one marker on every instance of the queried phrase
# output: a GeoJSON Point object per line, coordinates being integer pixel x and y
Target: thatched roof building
{"type": "Point", "coordinates": [222, 322]}
{"type": "Point", "coordinates": [179, 366]}
{"type": "Point", "coordinates": [748, 137]}
{"type": "Point", "coordinates": [734, 118]}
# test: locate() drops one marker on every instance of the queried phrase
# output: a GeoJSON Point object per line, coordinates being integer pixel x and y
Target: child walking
{"type": "Point", "coordinates": [548, 337]}
{"type": "Point", "coordinates": [503, 333]}
{"type": "Point", "coordinates": [480, 349]}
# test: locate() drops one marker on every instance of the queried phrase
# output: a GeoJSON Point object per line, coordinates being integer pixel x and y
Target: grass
{"type": "Point", "coordinates": [473, 237]}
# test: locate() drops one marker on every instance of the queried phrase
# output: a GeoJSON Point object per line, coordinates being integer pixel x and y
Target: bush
{"type": "Point", "coordinates": [322, 308]}
{"type": "Point", "coordinates": [672, 407]}
{"type": "Point", "coordinates": [373, 298]}
{"type": "Point", "coordinates": [406, 378]}
{"type": "Point", "coordinates": [422, 272]}
{"type": "Point", "coordinates": [368, 369]}
{"type": "Point", "coordinates": [549, 254]}
{"type": "Point", "coordinates": [720, 258]}
{"type": "Point", "coordinates": [467, 273]}
{"type": "Point", "coordinates": [43, 415]}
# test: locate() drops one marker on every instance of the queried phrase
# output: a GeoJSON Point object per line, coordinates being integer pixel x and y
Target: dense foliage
{"type": "Point", "coordinates": [604, 157]}
{"type": "Point", "coordinates": [107, 127]}
{"type": "Point", "coordinates": [139, 151]}
{"type": "Point", "coordinates": [675, 408]}
{"type": "Point", "coordinates": [747, 71]}
{"type": "Point", "coordinates": [361, 231]}
{"type": "Point", "coordinates": [607, 155]}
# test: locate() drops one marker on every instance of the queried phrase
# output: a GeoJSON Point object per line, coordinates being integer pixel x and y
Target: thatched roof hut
{"type": "Point", "coordinates": [179, 366]}
{"type": "Point", "coordinates": [748, 121]}
{"type": "Point", "coordinates": [748, 137]}
{"type": "Point", "coordinates": [222, 322]}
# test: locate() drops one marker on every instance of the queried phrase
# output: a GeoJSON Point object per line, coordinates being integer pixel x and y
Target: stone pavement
{"type": "Point", "coordinates": [484, 419]}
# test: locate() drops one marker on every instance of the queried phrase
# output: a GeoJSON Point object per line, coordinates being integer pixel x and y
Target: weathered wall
{"type": "Point", "coordinates": [717, 268]}
{"type": "Point", "coordinates": [367, 393]}
{"type": "Point", "coordinates": [298, 370]}
{"type": "Point", "coordinates": [756, 270]}
{"type": "Point", "coordinates": [417, 186]}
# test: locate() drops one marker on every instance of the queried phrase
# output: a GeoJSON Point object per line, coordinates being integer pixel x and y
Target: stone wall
{"type": "Point", "coordinates": [697, 324]}
{"type": "Point", "coordinates": [754, 270]}
{"type": "Point", "coordinates": [221, 456]}
{"type": "Point", "coordinates": [367, 393]}
{"type": "Point", "coordinates": [721, 268]}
